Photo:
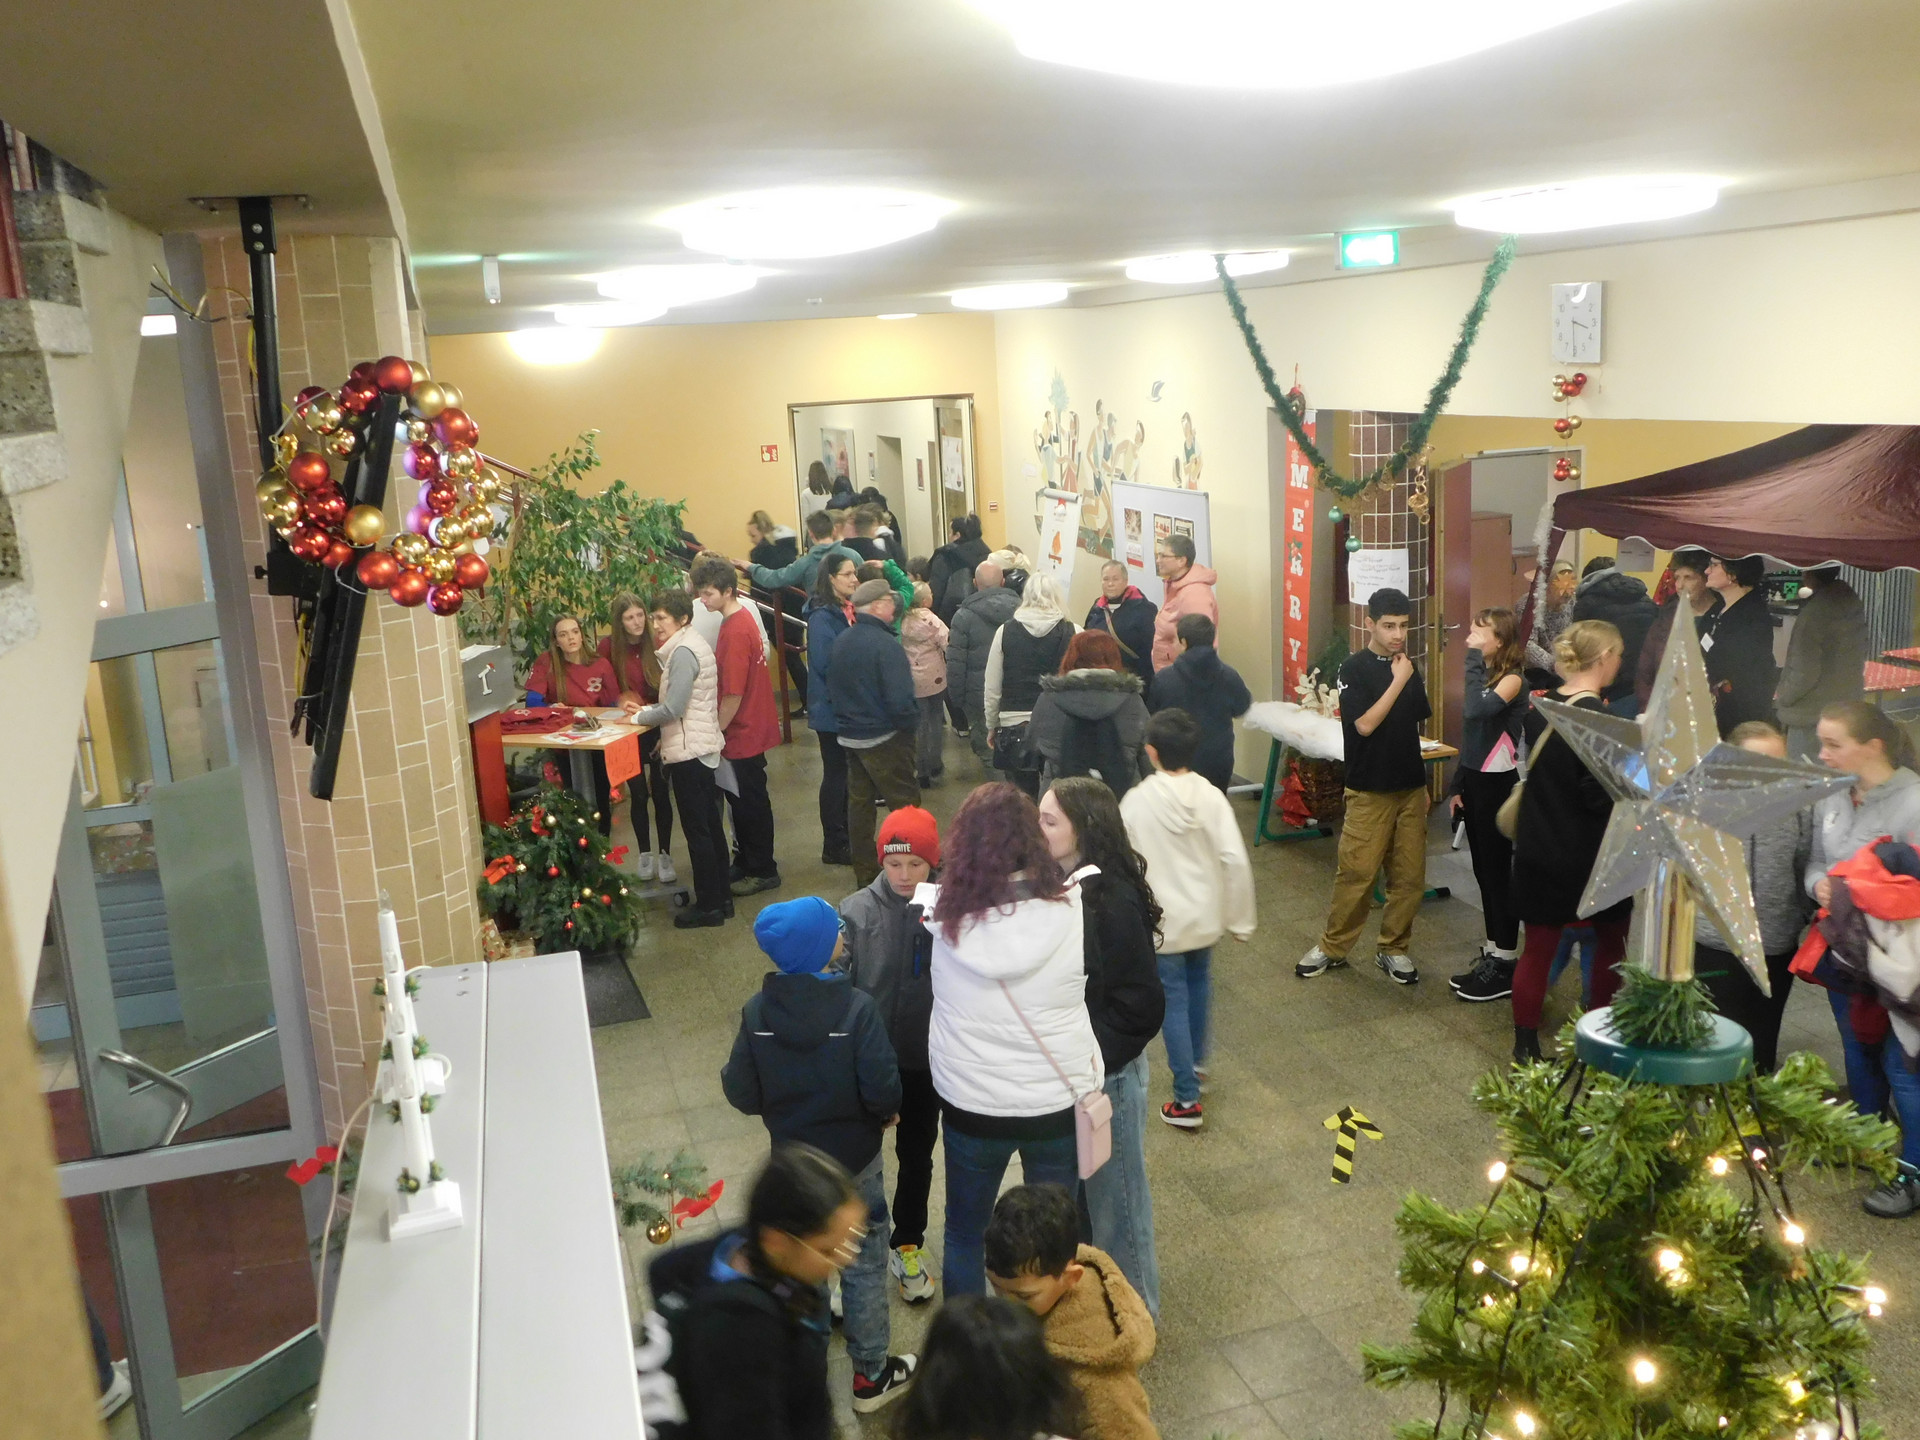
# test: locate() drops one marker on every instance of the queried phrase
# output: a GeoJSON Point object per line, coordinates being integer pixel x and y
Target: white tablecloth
{"type": "Point", "coordinates": [1316, 736]}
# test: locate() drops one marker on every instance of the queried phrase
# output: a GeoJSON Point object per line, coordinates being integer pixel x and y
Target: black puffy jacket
{"type": "Point", "coordinates": [1207, 688]}
{"type": "Point", "coordinates": [1623, 602]}
{"type": "Point", "coordinates": [1124, 998]}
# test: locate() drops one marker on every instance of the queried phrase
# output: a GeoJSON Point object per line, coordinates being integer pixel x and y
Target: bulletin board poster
{"type": "Point", "coordinates": [1148, 515]}
{"type": "Point", "coordinates": [1297, 584]}
{"type": "Point", "coordinates": [1059, 532]}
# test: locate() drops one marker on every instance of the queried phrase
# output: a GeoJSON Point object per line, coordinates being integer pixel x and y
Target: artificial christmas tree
{"type": "Point", "coordinates": [553, 876]}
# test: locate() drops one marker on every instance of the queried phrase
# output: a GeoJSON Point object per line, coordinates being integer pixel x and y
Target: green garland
{"type": "Point", "coordinates": [1396, 463]}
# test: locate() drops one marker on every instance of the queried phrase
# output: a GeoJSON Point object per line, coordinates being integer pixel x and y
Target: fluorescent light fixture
{"type": "Point", "coordinates": [608, 314]}
{"type": "Point", "coordinates": [1191, 267]}
{"type": "Point", "coordinates": [899, 315]}
{"type": "Point", "coordinates": [804, 222]}
{"type": "Point", "coordinates": [1011, 297]}
{"type": "Point", "coordinates": [555, 345]}
{"type": "Point", "coordinates": [490, 278]}
{"type": "Point", "coordinates": [1586, 204]}
{"type": "Point", "coordinates": [159, 325]}
{"type": "Point", "coordinates": [1271, 44]}
{"type": "Point", "coordinates": [671, 285]}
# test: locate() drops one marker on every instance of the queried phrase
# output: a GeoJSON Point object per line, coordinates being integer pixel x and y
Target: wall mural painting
{"type": "Point", "coordinates": [1090, 464]}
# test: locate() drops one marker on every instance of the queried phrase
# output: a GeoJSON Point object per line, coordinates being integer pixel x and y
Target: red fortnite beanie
{"type": "Point", "coordinates": [910, 831]}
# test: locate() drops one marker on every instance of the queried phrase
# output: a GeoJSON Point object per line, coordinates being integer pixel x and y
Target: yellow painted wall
{"type": "Point", "coordinates": [683, 410]}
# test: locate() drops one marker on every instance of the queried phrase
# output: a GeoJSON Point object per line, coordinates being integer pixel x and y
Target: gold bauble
{"type": "Point", "coordinates": [342, 443]}
{"type": "Point", "coordinates": [328, 420]}
{"type": "Point", "coordinates": [272, 490]}
{"type": "Point", "coordinates": [420, 376]}
{"type": "Point", "coordinates": [660, 1231]}
{"type": "Point", "coordinates": [486, 488]}
{"type": "Point", "coordinates": [286, 446]}
{"type": "Point", "coordinates": [477, 520]}
{"type": "Point", "coordinates": [439, 566]}
{"type": "Point", "coordinates": [418, 431]}
{"type": "Point", "coordinates": [1573, 422]}
{"type": "Point", "coordinates": [462, 464]}
{"type": "Point", "coordinates": [364, 524]}
{"type": "Point", "coordinates": [455, 400]}
{"type": "Point", "coordinates": [283, 531]}
{"type": "Point", "coordinates": [447, 532]}
{"type": "Point", "coordinates": [410, 549]}
{"type": "Point", "coordinates": [285, 512]}
{"type": "Point", "coordinates": [429, 399]}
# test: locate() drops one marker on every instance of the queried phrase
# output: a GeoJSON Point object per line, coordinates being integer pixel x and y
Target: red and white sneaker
{"type": "Point", "coordinates": [1184, 1117]}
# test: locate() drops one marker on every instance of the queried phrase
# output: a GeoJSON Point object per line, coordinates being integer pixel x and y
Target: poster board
{"type": "Point", "coordinates": [1059, 531]}
{"type": "Point", "coordinates": [1144, 513]}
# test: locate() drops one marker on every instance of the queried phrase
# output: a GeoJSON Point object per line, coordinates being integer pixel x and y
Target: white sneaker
{"type": "Point", "coordinates": [909, 1266]}
{"type": "Point", "coordinates": [645, 867]}
{"type": "Point", "coordinates": [834, 1303]}
{"type": "Point", "coordinates": [118, 1392]}
{"type": "Point", "coordinates": [668, 875]}
{"type": "Point", "coordinates": [1398, 968]}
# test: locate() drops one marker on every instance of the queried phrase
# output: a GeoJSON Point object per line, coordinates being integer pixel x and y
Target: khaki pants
{"type": "Point", "coordinates": [1382, 828]}
{"type": "Point", "coordinates": [879, 772]}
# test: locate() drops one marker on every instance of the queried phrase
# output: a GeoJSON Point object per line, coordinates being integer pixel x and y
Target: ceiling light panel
{"type": "Point", "coordinates": [1242, 44]}
{"type": "Point", "coordinates": [1192, 267]}
{"type": "Point", "coordinates": [556, 345]}
{"type": "Point", "coordinates": [1011, 297]}
{"type": "Point", "coordinates": [804, 222]}
{"type": "Point", "coordinates": [1586, 204]}
{"type": "Point", "coordinates": [608, 314]}
{"type": "Point", "coordinates": [669, 285]}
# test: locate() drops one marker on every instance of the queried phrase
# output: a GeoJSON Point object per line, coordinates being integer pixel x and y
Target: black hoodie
{"type": "Point", "coordinates": [813, 1061]}
{"type": "Point", "coordinates": [1091, 719]}
{"type": "Point", "coordinates": [1207, 688]}
{"type": "Point", "coordinates": [1622, 601]}
{"type": "Point", "coordinates": [1124, 998]}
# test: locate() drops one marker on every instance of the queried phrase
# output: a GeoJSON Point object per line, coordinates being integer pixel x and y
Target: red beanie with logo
{"type": "Point", "coordinates": [910, 831]}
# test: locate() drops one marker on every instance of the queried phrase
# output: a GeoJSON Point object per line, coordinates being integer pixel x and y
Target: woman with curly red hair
{"type": "Point", "coordinates": [1007, 955]}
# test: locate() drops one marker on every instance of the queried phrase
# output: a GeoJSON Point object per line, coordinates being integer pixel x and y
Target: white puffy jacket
{"type": "Point", "coordinates": [983, 1059]}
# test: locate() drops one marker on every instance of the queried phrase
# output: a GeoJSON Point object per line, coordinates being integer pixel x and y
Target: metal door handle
{"type": "Point", "coordinates": [165, 1081]}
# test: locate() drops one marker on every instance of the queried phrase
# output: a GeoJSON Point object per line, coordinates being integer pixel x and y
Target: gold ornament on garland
{"type": "Point", "coordinates": [660, 1231]}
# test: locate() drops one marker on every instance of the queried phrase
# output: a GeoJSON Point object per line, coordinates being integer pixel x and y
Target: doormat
{"type": "Point", "coordinates": [612, 996]}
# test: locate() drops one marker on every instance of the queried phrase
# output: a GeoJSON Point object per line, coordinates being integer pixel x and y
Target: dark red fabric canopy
{"type": "Point", "coordinates": [1828, 492]}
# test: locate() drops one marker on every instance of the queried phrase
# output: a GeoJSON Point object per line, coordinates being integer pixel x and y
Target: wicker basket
{"type": "Point", "coordinates": [1323, 787]}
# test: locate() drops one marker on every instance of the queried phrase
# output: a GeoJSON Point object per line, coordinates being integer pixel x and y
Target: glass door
{"type": "Point", "coordinates": [170, 1009]}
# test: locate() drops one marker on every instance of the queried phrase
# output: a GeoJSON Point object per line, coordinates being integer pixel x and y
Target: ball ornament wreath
{"type": "Point", "coordinates": [437, 554]}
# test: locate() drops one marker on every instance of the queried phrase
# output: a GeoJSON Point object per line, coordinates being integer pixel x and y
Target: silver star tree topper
{"type": "Point", "coordinates": [1684, 801]}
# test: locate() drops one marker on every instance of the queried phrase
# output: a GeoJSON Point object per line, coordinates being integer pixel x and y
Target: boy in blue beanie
{"type": "Point", "coordinates": [813, 1061]}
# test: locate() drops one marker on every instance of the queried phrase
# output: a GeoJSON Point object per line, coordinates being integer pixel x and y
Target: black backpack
{"type": "Point", "coordinates": [1092, 747]}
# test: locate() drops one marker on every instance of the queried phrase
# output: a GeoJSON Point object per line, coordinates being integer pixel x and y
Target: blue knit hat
{"type": "Point", "coordinates": [798, 935]}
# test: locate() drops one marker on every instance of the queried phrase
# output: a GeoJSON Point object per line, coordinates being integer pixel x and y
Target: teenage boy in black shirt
{"type": "Point", "coordinates": [1382, 703]}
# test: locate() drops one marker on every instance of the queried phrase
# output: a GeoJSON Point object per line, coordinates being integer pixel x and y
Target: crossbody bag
{"type": "Point", "coordinates": [1092, 1112]}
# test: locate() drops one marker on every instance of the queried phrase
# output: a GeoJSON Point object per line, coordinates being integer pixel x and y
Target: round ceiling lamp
{"type": "Point", "coordinates": [667, 286]}
{"type": "Point", "coordinates": [1586, 204]}
{"type": "Point", "coordinates": [1245, 44]}
{"type": "Point", "coordinates": [1022, 296]}
{"type": "Point", "coordinates": [804, 222]}
{"type": "Point", "coordinates": [1192, 267]}
{"type": "Point", "coordinates": [607, 314]}
{"type": "Point", "coordinates": [556, 344]}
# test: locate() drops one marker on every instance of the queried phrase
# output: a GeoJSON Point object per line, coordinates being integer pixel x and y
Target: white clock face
{"type": "Point", "coordinates": [1576, 323]}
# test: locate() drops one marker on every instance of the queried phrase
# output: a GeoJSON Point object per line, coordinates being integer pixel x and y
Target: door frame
{"type": "Point", "coordinates": [970, 425]}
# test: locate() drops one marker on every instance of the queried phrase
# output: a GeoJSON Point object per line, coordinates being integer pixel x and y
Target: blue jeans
{"type": "Point", "coordinates": [1187, 977]}
{"type": "Point", "coordinates": [864, 1284]}
{"type": "Point", "coordinates": [1877, 1075]}
{"type": "Point", "coordinates": [1119, 1204]}
{"type": "Point", "coordinates": [975, 1168]}
{"type": "Point", "coordinates": [1589, 943]}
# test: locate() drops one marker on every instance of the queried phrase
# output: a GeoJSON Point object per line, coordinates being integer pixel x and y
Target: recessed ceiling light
{"type": "Point", "coordinates": [899, 315]}
{"type": "Point", "coordinates": [607, 314]}
{"type": "Point", "coordinates": [804, 222]}
{"type": "Point", "coordinates": [670, 285]}
{"type": "Point", "coordinates": [1586, 204]}
{"type": "Point", "coordinates": [1011, 297]}
{"type": "Point", "coordinates": [1193, 266]}
{"type": "Point", "coordinates": [159, 325]}
{"type": "Point", "coordinates": [1233, 43]}
{"type": "Point", "coordinates": [555, 345]}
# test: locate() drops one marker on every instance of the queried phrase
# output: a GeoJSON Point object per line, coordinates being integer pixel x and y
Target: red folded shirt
{"type": "Point", "coordinates": [536, 720]}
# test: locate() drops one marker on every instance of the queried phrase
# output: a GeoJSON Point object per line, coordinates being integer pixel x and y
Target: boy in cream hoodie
{"type": "Point", "coordinates": [1197, 865]}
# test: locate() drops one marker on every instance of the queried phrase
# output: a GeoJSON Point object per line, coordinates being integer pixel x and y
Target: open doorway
{"type": "Point", "coordinates": [918, 451]}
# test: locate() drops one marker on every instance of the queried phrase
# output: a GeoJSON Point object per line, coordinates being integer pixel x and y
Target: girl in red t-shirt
{"type": "Point", "coordinates": [570, 672]}
{"type": "Point", "coordinates": [629, 649]}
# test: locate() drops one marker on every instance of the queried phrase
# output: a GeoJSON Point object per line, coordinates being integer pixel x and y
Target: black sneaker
{"type": "Point", "coordinates": [831, 856]}
{"type": "Point", "coordinates": [1526, 1046]}
{"type": "Point", "coordinates": [886, 1387]}
{"type": "Point", "coordinates": [1895, 1200]}
{"type": "Point", "coordinates": [696, 919]}
{"type": "Point", "coordinates": [1490, 979]}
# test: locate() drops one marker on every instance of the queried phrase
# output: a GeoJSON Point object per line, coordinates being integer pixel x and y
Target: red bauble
{"type": "Point", "coordinates": [1563, 426]}
{"type": "Point", "coordinates": [308, 394]}
{"type": "Point", "coordinates": [308, 542]}
{"type": "Point", "coordinates": [471, 571]}
{"type": "Point", "coordinates": [362, 371]}
{"type": "Point", "coordinates": [377, 569]}
{"type": "Point", "coordinates": [309, 471]}
{"type": "Point", "coordinates": [419, 518]}
{"type": "Point", "coordinates": [358, 399]}
{"type": "Point", "coordinates": [455, 427]}
{"type": "Point", "coordinates": [393, 374]}
{"type": "Point", "coordinates": [583, 842]}
{"type": "Point", "coordinates": [325, 507]}
{"type": "Point", "coordinates": [552, 870]}
{"type": "Point", "coordinates": [339, 555]}
{"type": "Point", "coordinates": [606, 899]}
{"type": "Point", "coordinates": [423, 461]}
{"type": "Point", "coordinates": [410, 587]}
{"type": "Point", "coordinates": [439, 497]}
{"type": "Point", "coordinates": [445, 599]}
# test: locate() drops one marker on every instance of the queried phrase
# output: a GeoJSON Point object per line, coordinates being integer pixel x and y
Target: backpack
{"type": "Point", "coordinates": [1093, 748]}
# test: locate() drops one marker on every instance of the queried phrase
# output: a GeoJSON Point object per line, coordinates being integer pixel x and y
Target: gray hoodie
{"type": "Point", "coordinates": [970, 641]}
{"type": "Point", "coordinates": [1825, 655]}
{"type": "Point", "coordinates": [1776, 860]}
{"type": "Point", "coordinates": [1840, 827]}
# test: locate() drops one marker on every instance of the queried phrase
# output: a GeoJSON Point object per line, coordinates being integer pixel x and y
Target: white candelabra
{"type": "Point", "coordinates": [408, 1080]}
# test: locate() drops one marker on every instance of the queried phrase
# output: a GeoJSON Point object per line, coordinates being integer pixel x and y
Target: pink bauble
{"type": "Point", "coordinates": [419, 518]}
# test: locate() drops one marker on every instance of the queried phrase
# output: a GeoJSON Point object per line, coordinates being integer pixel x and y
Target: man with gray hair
{"type": "Point", "coordinates": [870, 685]}
{"type": "Point", "coordinates": [970, 642]}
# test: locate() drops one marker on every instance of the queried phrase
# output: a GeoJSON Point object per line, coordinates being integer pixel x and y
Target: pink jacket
{"type": "Point", "coordinates": [924, 635]}
{"type": "Point", "coordinates": [1191, 594]}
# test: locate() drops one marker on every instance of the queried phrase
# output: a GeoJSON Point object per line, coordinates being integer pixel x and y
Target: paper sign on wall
{"type": "Point", "coordinates": [1297, 583]}
{"type": "Point", "coordinates": [1058, 531]}
{"type": "Point", "coordinates": [1371, 570]}
{"type": "Point", "coordinates": [1635, 557]}
{"type": "Point", "coordinates": [952, 474]}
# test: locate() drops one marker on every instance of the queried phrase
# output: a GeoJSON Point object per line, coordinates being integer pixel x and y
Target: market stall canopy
{"type": "Point", "coordinates": [1829, 492]}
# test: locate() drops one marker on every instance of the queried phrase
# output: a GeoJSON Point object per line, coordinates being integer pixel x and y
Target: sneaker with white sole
{"type": "Point", "coordinates": [1317, 962]}
{"type": "Point", "coordinates": [835, 1305]}
{"type": "Point", "coordinates": [1398, 968]}
{"type": "Point", "coordinates": [908, 1264]}
{"type": "Point", "coordinates": [1184, 1117]}
{"type": "Point", "coordinates": [644, 866]}
{"type": "Point", "coordinates": [1490, 979]}
{"type": "Point", "coordinates": [668, 875]}
{"type": "Point", "coordinates": [886, 1387]}
{"type": "Point", "coordinates": [118, 1392]}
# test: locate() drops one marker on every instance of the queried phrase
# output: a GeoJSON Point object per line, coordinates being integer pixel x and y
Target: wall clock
{"type": "Point", "coordinates": [1576, 323]}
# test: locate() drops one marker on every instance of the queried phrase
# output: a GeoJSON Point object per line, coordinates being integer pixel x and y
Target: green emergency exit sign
{"type": "Point", "coordinates": [1369, 249]}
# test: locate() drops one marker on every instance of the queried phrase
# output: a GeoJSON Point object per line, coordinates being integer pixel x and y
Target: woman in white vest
{"type": "Point", "coordinates": [1007, 956]}
{"type": "Point", "coordinates": [688, 718]}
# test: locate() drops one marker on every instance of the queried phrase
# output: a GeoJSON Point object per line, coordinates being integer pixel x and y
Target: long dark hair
{"type": "Point", "coordinates": [623, 647]}
{"type": "Point", "coordinates": [796, 1194]}
{"type": "Point", "coordinates": [994, 837]}
{"type": "Point", "coordinates": [985, 1373]}
{"type": "Point", "coordinates": [1866, 722]}
{"type": "Point", "coordinates": [822, 592]}
{"type": "Point", "coordinates": [557, 659]}
{"type": "Point", "coordinates": [1095, 816]}
{"type": "Point", "coordinates": [1509, 657]}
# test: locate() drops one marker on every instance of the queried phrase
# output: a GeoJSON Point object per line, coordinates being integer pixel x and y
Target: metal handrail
{"type": "Point", "coordinates": [165, 1081]}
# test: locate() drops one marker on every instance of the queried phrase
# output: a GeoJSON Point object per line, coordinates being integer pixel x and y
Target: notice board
{"type": "Point", "coordinates": [1144, 513]}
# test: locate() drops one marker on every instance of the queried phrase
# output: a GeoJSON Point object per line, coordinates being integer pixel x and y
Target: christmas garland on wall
{"type": "Point", "coordinates": [1395, 464]}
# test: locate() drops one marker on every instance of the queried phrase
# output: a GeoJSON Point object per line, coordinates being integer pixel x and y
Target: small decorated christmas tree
{"type": "Point", "coordinates": [551, 874]}
{"type": "Point", "coordinates": [653, 1194]}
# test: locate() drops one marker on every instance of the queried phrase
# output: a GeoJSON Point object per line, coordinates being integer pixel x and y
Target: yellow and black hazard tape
{"type": "Point", "coordinates": [1349, 1122]}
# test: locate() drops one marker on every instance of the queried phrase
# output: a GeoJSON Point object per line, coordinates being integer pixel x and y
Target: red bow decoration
{"type": "Point", "coordinates": [685, 1210]}
{"type": "Point", "coordinates": [301, 1171]}
{"type": "Point", "coordinates": [498, 870]}
{"type": "Point", "coordinates": [534, 824]}
{"type": "Point", "coordinates": [551, 773]}
{"type": "Point", "coordinates": [616, 855]}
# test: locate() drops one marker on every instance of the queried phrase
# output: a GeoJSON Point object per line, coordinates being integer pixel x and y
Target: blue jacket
{"type": "Point", "coordinates": [1207, 688]}
{"type": "Point", "coordinates": [869, 683]}
{"type": "Point", "coordinates": [825, 624]}
{"type": "Point", "coordinates": [801, 571]}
